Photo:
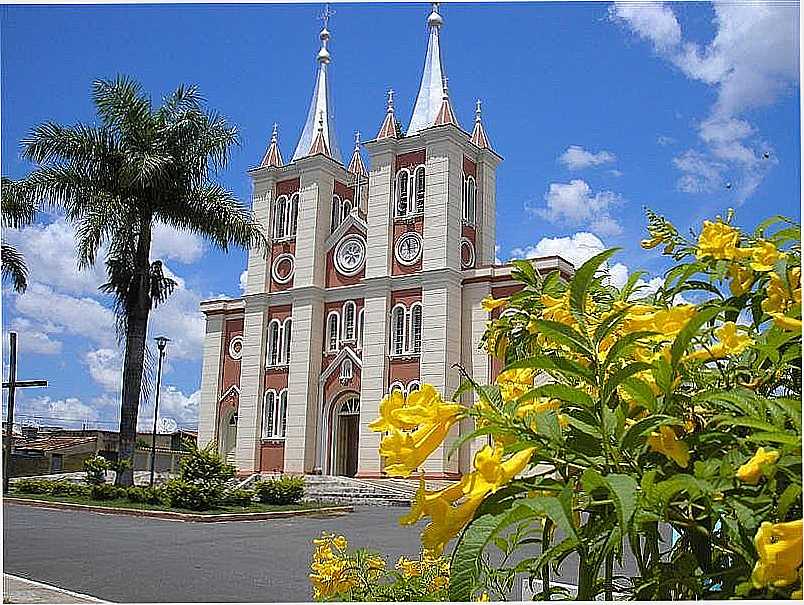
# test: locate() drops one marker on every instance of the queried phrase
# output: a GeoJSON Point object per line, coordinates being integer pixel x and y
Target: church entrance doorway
{"type": "Point", "coordinates": [228, 436]}
{"type": "Point", "coordinates": [346, 436]}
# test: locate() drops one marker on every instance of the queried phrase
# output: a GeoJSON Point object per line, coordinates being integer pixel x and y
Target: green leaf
{"type": "Point", "coordinates": [486, 430]}
{"type": "Point", "coordinates": [609, 323]}
{"type": "Point", "coordinates": [687, 333]}
{"type": "Point", "coordinates": [778, 437]}
{"type": "Point", "coordinates": [566, 336]}
{"type": "Point", "coordinates": [640, 391]}
{"type": "Point", "coordinates": [624, 344]}
{"type": "Point", "coordinates": [788, 498]}
{"type": "Point", "coordinates": [579, 286]}
{"type": "Point", "coordinates": [559, 391]}
{"type": "Point", "coordinates": [465, 564]}
{"type": "Point", "coordinates": [554, 363]}
{"type": "Point", "coordinates": [621, 488]}
{"type": "Point", "coordinates": [619, 376]}
{"type": "Point", "coordinates": [642, 427]}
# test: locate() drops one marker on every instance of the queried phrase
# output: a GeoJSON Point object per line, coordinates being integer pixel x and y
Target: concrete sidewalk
{"type": "Point", "coordinates": [22, 590]}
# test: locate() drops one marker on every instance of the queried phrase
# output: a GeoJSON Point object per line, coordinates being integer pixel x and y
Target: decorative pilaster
{"type": "Point", "coordinates": [252, 365]}
{"type": "Point", "coordinates": [210, 373]}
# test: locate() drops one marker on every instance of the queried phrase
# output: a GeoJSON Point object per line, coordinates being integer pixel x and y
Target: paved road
{"type": "Point", "coordinates": [130, 559]}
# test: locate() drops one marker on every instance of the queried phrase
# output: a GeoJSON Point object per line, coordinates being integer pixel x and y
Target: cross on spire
{"type": "Point", "coordinates": [357, 139]}
{"type": "Point", "coordinates": [325, 15]}
{"type": "Point", "coordinates": [391, 98]}
{"type": "Point", "coordinates": [477, 109]}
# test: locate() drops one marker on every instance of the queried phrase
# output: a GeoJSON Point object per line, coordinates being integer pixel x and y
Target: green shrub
{"type": "Point", "coordinates": [205, 465]}
{"type": "Point", "coordinates": [286, 490]}
{"type": "Point", "coordinates": [33, 486]}
{"type": "Point", "coordinates": [68, 488]}
{"type": "Point", "coordinates": [193, 496]}
{"type": "Point", "coordinates": [239, 497]}
{"type": "Point", "coordinates": [106, 491]}
{"type": "Point", "coordinates": [148, 495]}
{"type": "Point", "coordinates": [95, 469]}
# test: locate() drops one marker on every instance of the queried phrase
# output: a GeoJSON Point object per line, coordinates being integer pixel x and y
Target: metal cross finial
{"type": "Point", "coordinates": [321, 121]}
{"type": "Point", "coordinates": [477, 110]}
{"type": "Point", "coordinates": [435, 6]}
{"type": "Point", "coordinates": [357, 139]}
{"type": "Point", "coordinates": [275, 131]}
{"type": "Point", "coordinates": [326, 15]}
{"type": "Point", "coordinates": [445, 81]}
{"type": "Point", "coordinates": [390, 98]}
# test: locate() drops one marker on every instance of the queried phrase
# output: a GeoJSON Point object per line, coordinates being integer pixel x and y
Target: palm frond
{"type": "Point", "coordinates": [18, 207]}
{"type": "Point", "coordinates": [14, 267]}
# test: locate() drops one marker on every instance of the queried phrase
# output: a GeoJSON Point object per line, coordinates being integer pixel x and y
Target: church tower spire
{"type": "Point", "coordinates": [445, 113]}
{"type": "Point", "coordinates": [431, 90]}
{"type": "Point", "coordinates": [388, 129]}
{"type": "Point", "coordinates": [320, 105]}
{"type": "Point", "coordinates": [356, 165]}
{"type": "Point", "coordinates": [273, 157]}
{"type": "Point", "coordinates": [479, 137]}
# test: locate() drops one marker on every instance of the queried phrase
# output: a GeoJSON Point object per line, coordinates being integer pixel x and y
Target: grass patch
{"type": "Point", "coordinates": [256, 507]}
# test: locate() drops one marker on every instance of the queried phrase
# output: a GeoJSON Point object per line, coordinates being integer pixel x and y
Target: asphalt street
{"type": "Point", "coordinates": [131, 559]}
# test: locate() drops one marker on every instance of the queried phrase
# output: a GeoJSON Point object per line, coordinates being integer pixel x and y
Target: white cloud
{"type": "Point", "coordinates": [84, 316]}
{"type": "Point", "coordinates": [50, 255]}
{"type": "Point", "coordinates": [243, 280]}
{"type": "Point", "coordinates": [577, 158]}
{"type": "Point", "coordinates": [752, 59]}
{"type": "Point", "coordinates": [174, 404]}
{"type": "Point", "coordinates": [32, 338]}
{"type": "Point", "coordinates": [664, 140]}
{"type": "Point", "coordinates": [171, 244]}
{"type": "Point", "coordinates": [701, 174]}
{"type": "Point", "coordinates": [106, 368]}
{"type": "Point", "coordinates": [575, 204]}
{"type": "Point", "coordinates": [70, 412]}
{"type": "Point", "coordinates": [181, 320]}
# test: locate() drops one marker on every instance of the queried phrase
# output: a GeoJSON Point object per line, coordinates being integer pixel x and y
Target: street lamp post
{"type": "Point", "coordinates": [161, 343]}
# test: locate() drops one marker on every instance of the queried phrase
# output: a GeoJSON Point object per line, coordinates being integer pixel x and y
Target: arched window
{"type": "Point", "coordinates": [402, 193]}
{"type": "Point", "coordinates": [282, 415]}
{"type": "Point", "coordinates": [293, 216]}
{"type": "Point", "coordinates": [280, 216]}
{"type": "Point", "coordinates": [360, 329]}
{"type": "Point", "coordinates": [286, 331]}
{"type": "Point", "coordinates": [268, 414]}
{"type": "Point", "coordinates": [413, 386]}
{"type": "Point", "coordinates": [335, 216]}
{"type": "Point", "coordinates": [469, 200]}
{"type": "Point", "coordinates": [415, 343]}
{"type": "Point", "coordinates": [349, 311]}
{"type": "Point", "coordinates": [347, 371]}
{"type": "Point", "coordinates": [333, 329]}
{"type": "Point", "coordinates": [398, 330]}
{"type": "Point", "coordinates": [396, 386]}
{"type": "Point", "coordinates": [346, 209]}
{"type": "Point", "coordinates": [418, 206]}
{"type": "Point", "coordinates": [274, 343]}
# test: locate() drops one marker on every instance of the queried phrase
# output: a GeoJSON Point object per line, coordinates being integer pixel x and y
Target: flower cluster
{"type": "Point", "coordinates": [332, 572]}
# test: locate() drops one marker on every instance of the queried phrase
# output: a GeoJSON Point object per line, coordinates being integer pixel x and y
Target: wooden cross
{"type": "Point", "coordinates": [12, 385]}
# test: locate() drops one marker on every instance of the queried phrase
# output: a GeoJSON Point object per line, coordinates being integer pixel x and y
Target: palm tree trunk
{"type": "Point", "coordinates": [138, 308]}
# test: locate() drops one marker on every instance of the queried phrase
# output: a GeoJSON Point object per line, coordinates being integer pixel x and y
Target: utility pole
{"type": "Point", "coordinates": [161, 343]}
{"type": "Point", "coordinates": [12, 386]}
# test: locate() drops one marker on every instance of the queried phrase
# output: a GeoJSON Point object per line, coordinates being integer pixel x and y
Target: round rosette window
{"type": "Point", "coordinates": [236, 347]}
{"type": "Point", "coordinates": [350, 255]}
{"type": "Point", "coordinates": [408, 248]}
{"type": "Point", "coordinates": [467, 253]}
{"type": "Point", "coordinates": [283, 268]}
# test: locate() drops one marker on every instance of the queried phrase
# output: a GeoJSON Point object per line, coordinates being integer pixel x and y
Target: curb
{"type": "Point", "coordinates": [44, 590]}
{"type": "Point", "coordinates": [174, 516]}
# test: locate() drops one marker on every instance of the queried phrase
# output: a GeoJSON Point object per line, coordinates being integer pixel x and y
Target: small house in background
{"type": "Point", "coordinates": [51, 450]}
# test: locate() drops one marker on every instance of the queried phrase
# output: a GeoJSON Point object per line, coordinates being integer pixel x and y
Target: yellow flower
{"type": "Point", "coordinates": [557, 309]}
{"type": "Point", "coordinates": [718, 241]}
{"type": "Point", "coordinates": [667, 322]}
{"type": "Point", "coordinates": [790, 324]}
{"type": "Point", "coordinates": [490, 303]}
{"type": "Point", "coordinates": [778, 299]}
{"type": "Point", "coordinates": [540, 405]}
{"type": "Point", "coordinates": [515, 383]}
{"type": "Point", "coordinates": [446, 521]}
{"type": "Point", "coordinates": [764, 256]}
{"type": "Point", "coordinates": [409, 568]}
{"type": "Point", "coordinates": [779, 546]}
{"type": "Point", "coordinates": [414, 427]}
{"type": "Point", "coordinates": [741, 280]}
{"type": "Point", "coordinates": [438, 583]}
{"type": "Point", "coordinates": [731, 344]}
{"type": "Point", "coordinates": [666, 442]}
{"type": "Point", "coordinates": [484, 596]}
{"type": "Point", "coordinates": [751, 471]}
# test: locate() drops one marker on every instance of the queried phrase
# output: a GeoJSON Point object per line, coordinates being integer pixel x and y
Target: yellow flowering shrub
{"type": "Point", "coordinates": [621, 415]}
{"type": "Point", "coordinates": [340, 574]}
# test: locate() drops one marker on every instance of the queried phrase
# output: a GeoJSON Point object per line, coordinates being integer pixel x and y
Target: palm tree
{"type": "Point", "coordinates": [116, 180]}
{"type": "Point", "coordinates": [18, 211]}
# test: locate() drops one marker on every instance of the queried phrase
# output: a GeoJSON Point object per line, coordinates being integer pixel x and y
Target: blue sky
{"type": "Point", "coordinates": [598, 109]}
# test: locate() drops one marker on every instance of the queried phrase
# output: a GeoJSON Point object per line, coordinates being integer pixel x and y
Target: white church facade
{"type": "Point", "coordinates": [371, 281]}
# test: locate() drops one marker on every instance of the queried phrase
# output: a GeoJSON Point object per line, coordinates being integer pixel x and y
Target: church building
{"type": "Point", "coordinates": [371, 281]}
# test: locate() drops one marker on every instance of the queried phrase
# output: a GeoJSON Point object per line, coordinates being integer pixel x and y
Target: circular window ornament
{"type": "Point", "coordinates": [350, 255]}
{"type": "Point", "coordinates": [467, 253]}
{"type": "Point", "coordinates": [236, 348]}
{"type": "Point", "coordinates": [408, 249]}
{"type": "Point", "coordinates": [283, 268]}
